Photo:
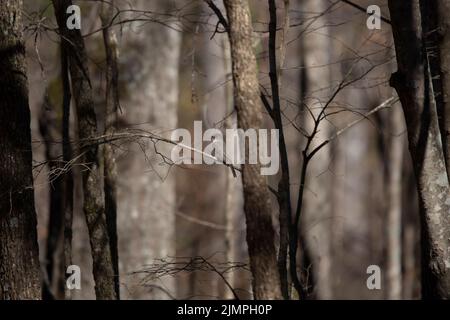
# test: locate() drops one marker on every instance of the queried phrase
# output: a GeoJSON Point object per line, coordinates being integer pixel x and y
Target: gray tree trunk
{"type": "Point", "coordinates": [146, 187]}
{"type": "Point", "coordinates": [436, 24]}
{"type": "Point", "coordinates": [412, 82]}
{"type": "Point", "coordinates": [317, 212]}
{"type": "Point", "coordinates": [394, 212]}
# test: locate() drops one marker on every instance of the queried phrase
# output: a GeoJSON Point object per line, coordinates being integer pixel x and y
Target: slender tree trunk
{"type": "Point", "coordinates": [234, 211]}
{"type": "Point", "coordinates": [67, 184]}
{"type": "Point", "coordinates": [284, 194]}
{"type": "Point", "coordinates": [317, 211]}
{"type": "Point", "coordinates": [112, 106]}
{"type": "Point", "coordinates": [394, 214]}
{"type": "Point", "coordinates": [49, 127]}
{"type": "Point", "coordinates": [413, 84]}
{"type": "Point", "coordinates": [257, 207]}
{"type": "Point", "coordinates": [19, 262]}
{"type": "Point", "coordinates": [93, 205]}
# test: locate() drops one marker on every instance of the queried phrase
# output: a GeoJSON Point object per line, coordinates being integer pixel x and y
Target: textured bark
{"type": "Point", "coordinates": [111, 109]}
{"type": "Point", "coordinates": [413, 85]}
{"type": "Point", "coordinates": [19, 264]}
{"type": "Point", "coordinates": [93, 205]}
{"type": "Point", "coordinates": [257, 207]}
{"type": "Point", "coordinates": [436, 24]}
{"type": "Point", "coordinates": [146, 187]}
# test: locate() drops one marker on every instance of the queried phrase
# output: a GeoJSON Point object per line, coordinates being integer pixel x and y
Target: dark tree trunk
{"type": "Point", "coordinates": [414, 87]}
{"type": "Point", "coordinates": [284, 194]}
{"type": "Point", "coordinates": [67, 183]}
{"type": "Point", "coordinates": [50, 129]}
{"type": "Point", "coordinates": [257, 207]}
{"type": "Point", "coordinates": [93, 205]}
{"type": "Point", "coordinates": [112, 106]}
{"type": "Point", "coordinates": [19, 263]}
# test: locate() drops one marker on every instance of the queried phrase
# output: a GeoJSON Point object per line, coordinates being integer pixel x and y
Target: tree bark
{"type": "Point", "coordinates": [413, 85]}
{"type": "Point", "coordinates": [19, 262]}
{"type": "Point", "coordinates": [257, 207]}
{"type": "Point", "coordinates": [93, 205]}
{"type": "Point", "coordinates": [112, 106]}
{"type": "Point", "coordinates": [436, 27]}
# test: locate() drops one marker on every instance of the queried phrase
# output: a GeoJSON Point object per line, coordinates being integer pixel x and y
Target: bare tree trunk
{"type": "Point", "coordinates": [413, 85]}
{"type": "Point", "coordinates": [93, 206]}
{"type": "Point", "coordinates": [111, 109]}
{"type": "Point", "coordinates": [68, 184]}
{"type": "Point", "coordinates": [257, 207]}
{"type": "Point", "coordinates": [232, 210]}
{"type": "Point", "coordinates": [233, 204]}
{"type": "Point", "coordinates": [394, 214]}
{"type": "Point", "coordinates": [284, 194]}
{"type": "Point", "coordinates": [146, 186]}
{"type": "Point", "coordinates": [50, 129]}
{"type": "Point", "coordinates": [316, 223]}
{"type": "Point", "coordinates": [19, 261]}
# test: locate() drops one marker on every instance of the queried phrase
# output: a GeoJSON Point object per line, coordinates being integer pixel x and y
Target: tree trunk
{"type": "Point", "coordinates": [234, 203]}
{"type": "Point", "coordinates": [68, 183]}
{"type": "Point", "coordinates": [257, 207]}
{"type": "Point", "coordinates": [394, 214]}
{"type": "Point", "coordinates": [93, 205]}
{"type": "Point", "coordinates": [19, 262]}
{"type": "Point", "coordinates": [50, 129]}
{"type": "Point", "coordinates": [317, 212]}
{"type": "Point", "coordinates": [111, 109]}
{"type": "Point", "coordinates": [413, 85]}
{"type": "Point", "coordinates": [284, 195]}
{"type": "Point", "coordinates": [146, 187]}
{"type": "Point", "coordinates": [436, 24]}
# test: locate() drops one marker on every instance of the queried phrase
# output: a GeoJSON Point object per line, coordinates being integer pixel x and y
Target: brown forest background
{"type": "Point", "coordinates": [181, 230]}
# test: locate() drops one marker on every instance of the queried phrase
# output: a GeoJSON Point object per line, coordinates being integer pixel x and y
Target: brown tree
{"type": "Point", "coordinates": [93, 205]}
{"type": "Point", "coordinates": [257, 206]}
{"type": "Point", "coordinates": [19, 264]}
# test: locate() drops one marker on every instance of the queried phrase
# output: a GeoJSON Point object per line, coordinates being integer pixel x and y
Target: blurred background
{"type": "Point", "coordinates": [181, 229]}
